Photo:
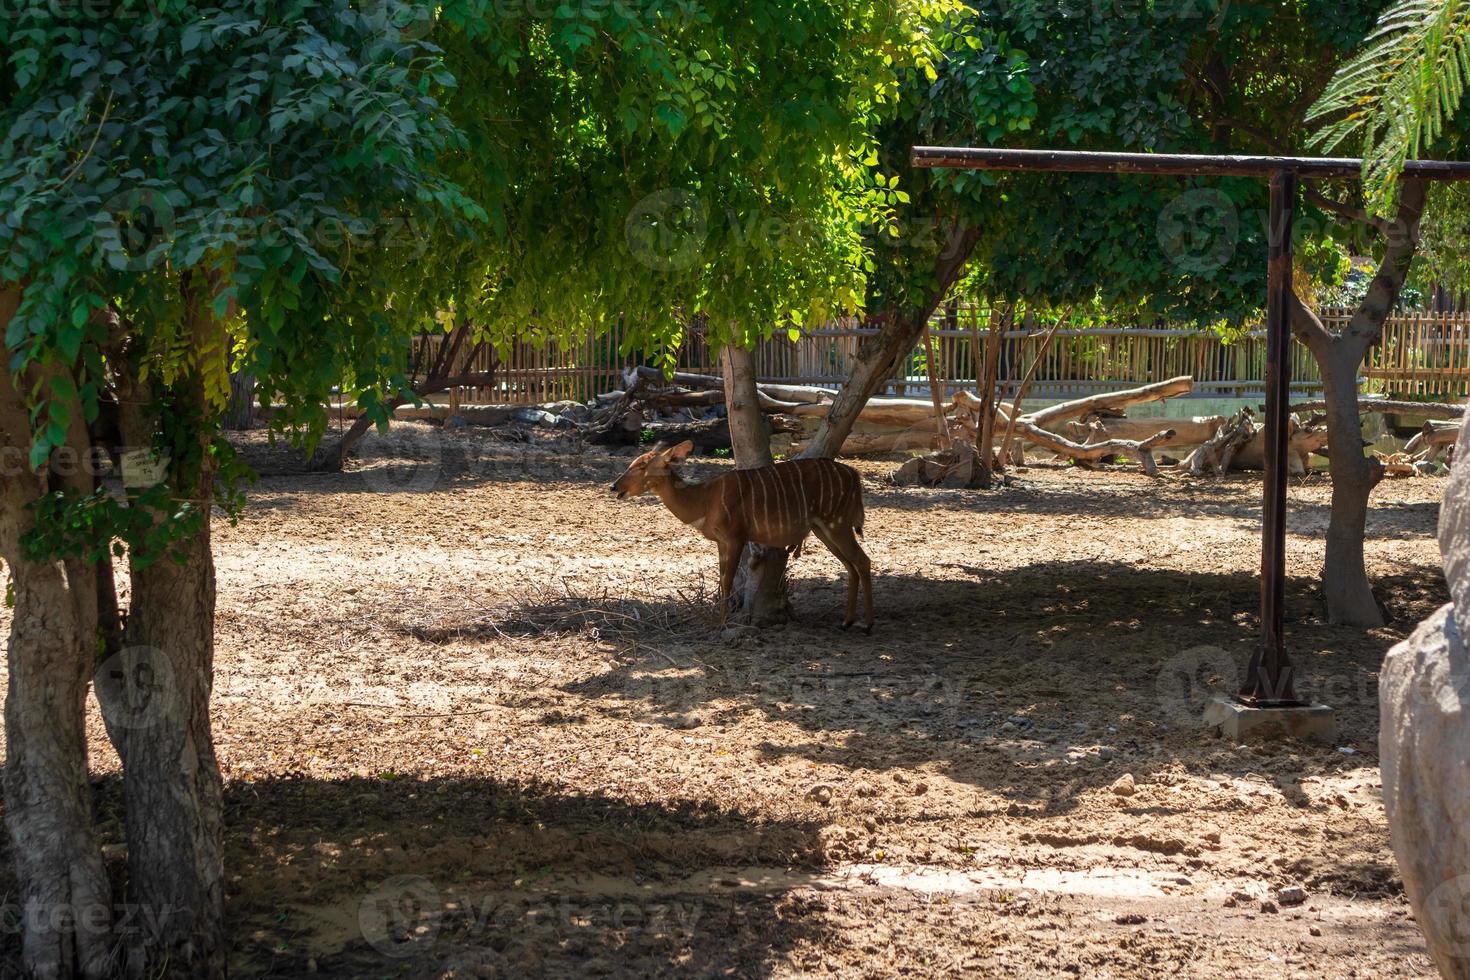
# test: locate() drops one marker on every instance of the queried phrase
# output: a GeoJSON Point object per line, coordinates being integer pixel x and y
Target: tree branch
{"type": "Point", "coordinates": [1308, 328]}
{"type": "Point", "coordinates": [1346, 211]}
{"type": "Point", "coordinates": [1402, 235]}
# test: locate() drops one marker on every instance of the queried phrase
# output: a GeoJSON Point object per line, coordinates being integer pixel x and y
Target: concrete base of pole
{"type": "Point", "coordinates": [1246, 723]}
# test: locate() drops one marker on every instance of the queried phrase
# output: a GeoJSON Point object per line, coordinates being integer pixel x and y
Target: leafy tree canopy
{"type": "Point", "coordinates": [1188, 76]}
{"type": "Point", "coordinates": [649, 159]}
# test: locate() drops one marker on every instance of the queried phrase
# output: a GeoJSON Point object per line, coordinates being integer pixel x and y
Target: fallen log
{"type": "Point", "coordinates": [1433, 439]}
{"type": "Point", "coordinates": [709, 434]}
{"type": "Point", "coordinates": [1111, 401]}
{"type": "Point", "coordinates": [680, 398]}
{"type": "Point", "coordinates": [1428, 410]}
{"type": "Point", "coordinates": [1187, 432]}
{"type": "Point", "coordinates": [1140, 449]}
{"type": "Point", "coordinates": [1220, 450]}
{"type": "Point", "coordinates": [799, 394]}
{"type": "Point", "coordinates": [878, 443]}
{"type": "Point", "coordinates": [773, 397]}
{"type": "Point", "coordinates": [1301, 444]}
{"type": "Point", "coordinates": [896, 412]}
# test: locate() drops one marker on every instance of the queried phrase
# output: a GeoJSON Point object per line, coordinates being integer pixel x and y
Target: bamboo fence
{"type": "Point", "coordinates": [1419, 355]}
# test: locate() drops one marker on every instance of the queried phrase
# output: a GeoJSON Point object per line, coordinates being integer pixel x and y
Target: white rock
{"type": "Point", "coordinates": [1124, 785]}
{"type": "Point", "coordinates": [1424, 748]}
{"type": "Point", "coordinates": [1291, 895]}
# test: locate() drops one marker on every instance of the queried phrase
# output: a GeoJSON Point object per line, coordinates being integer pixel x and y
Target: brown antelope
{"type": "Point", "coordinates": [776, 506]}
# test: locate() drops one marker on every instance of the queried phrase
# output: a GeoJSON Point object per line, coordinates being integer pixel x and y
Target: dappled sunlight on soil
{"type": "Point", "coordinates": [485, 696]}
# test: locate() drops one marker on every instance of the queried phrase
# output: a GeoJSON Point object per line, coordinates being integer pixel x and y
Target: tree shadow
{"type": "Point", "coordinates": [1075, 660]}
{"type": "Point", "coordinates": [1096, 495]}
{"type": "Point", "coordinates": [376, 877]}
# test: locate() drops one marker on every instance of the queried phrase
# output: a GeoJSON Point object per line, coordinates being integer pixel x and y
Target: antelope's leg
{"type": "Point", "coordinates": [729, 562]}
{"type": "Point", "coordinates": [831, 537]}
{"type": "Point", "coordinates": [865, 567]}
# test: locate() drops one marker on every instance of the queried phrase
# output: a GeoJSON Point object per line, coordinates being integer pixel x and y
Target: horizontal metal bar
{"type": "Point", "coordinates": [1183, 164]}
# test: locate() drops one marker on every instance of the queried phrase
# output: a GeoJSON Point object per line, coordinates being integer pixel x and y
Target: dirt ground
{"type": "Point", "coordinates": [476, 718]}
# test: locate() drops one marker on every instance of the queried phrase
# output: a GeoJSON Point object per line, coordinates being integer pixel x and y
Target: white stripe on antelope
{"type": "Point", "coordinates": [776, 506]}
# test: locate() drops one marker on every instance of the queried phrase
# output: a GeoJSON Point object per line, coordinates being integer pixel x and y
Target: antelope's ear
{"type": "Point", "coordinates": [680, 452]}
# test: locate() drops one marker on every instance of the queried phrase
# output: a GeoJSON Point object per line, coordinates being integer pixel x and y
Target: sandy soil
{"type": "Point", "coordinates": [476, 719]}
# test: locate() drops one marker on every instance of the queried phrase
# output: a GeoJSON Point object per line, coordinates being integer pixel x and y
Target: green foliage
{"type": "Point", "coordinates": [185, 184]}
{"type": "Point", "coordinates": [1396, 97]}
{"type": "Point", "coordinates": [1182, 76]}
{"type": "Point", "coordinates": [649, 160]}
{"type": "Point", "coordinates": [1444, 258]}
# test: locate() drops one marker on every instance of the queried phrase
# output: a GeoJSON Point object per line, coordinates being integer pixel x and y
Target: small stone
{"type": "Point", "coordinates": [870, 825]}
{"type": "Point", "coordinates": [1105, 752]}
{"type": "Point", "coordinates": [1124, 786]}
{"type": "Point", "coordinates": [1213, 836]}
{"type": "Point", "coordinates": [865, 790]}
{"type": "Point", "coordinates": [920, 789]}
{"type": "Point", "coordinates": [1230, 902]}
{"type": "Point", "coordinates": [820, 793]}
{"type": "Point", "coordinates": [1314, 931]}
{"type": "Point", "coordinates": [1131, 919]}
{"type": "Point", "coordinates": [1009, 726]}
{"type": "Point", "coordinates": [1079, 728]}
{"type": "Point", "coordinates": [1347, 750]}
{"type": "Point", "coordinates": [1182, 880]}
{"type": "Point", "coordinates": [1293, 895]}
{"type": "Point", "coordinates": [1267, 905]}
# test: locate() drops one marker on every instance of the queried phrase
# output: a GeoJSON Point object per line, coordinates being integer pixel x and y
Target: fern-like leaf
{"type": "Point", "coordinates": [1398, 93]}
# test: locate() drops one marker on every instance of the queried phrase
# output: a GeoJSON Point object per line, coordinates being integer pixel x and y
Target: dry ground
{"type": "Point", "coordinates": [475, 720]}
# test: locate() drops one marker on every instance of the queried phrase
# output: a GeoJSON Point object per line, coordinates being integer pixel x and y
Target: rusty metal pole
{"type": "Point", "coordinates": [1269, 679]}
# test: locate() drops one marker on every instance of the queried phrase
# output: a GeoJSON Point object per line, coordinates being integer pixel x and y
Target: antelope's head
{"type": "Point", "coordinates": [656, 464]}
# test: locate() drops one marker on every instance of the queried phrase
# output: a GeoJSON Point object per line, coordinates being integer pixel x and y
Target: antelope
{"type": "Point", "coordinates": [776, 506]}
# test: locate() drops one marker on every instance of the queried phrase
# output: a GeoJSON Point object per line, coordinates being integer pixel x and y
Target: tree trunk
{"type": "Point", "coordinates": [899, 331]}
{"type": "Point", "coordinates": [63, 891]}
{"type": "Point", "coordinates": [1344, 576]}
{"type": "Point", "coordinates": [985, 384]}
{"type": "Point", "coordinates": [171, 778]}
{"type": "Point", "coordinates": [1345, 582]}
{"type": "Point", "coordinates": [156, 698]}
{"type": "Point", "coordinates": [240, 411]}
{"type": "Point", "coordinates": [760, 584]}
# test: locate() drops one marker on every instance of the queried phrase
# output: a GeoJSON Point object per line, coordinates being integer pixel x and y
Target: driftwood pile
{"type": "Point", "coordinates": [652, 408]}
{"type": "Point", "coordinates": [1086, 431]}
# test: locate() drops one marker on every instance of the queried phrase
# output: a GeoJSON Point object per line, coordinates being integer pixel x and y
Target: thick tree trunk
{"type": "Point", "coordinates": [172, 781]}
{"type": "Point", "coordinates": [761, 582]}
{"type": "Point", "coordinates": [986, 382]}
{"type": "Point", "coordinates": [1344, 575]}
{"type": "Point", "coordinates": [240, 412]}
{"type": "Point", "coordinates": [64, 895]}
{"type": "Point", "coordinates": [156, 698]}
{"type": "Point", "coordinates": [899, 331]}
{"type": "Point", "coordinates": [62, 888]}
{"type": "Point", "coordinates": [1345, 582]}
